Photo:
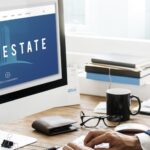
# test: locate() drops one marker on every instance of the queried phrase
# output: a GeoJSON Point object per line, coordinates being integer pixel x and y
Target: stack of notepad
{"type": "Point", "coordinates": [119, 68]}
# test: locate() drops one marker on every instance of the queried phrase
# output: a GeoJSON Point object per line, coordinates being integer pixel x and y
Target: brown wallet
{"type": "Point", "coordinates": [52, 125]}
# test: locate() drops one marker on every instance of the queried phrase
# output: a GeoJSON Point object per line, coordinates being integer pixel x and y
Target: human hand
{"type": "Point", "coordinates": [72, 146]}
{"type": "Point", "coordinates": [117, 141]}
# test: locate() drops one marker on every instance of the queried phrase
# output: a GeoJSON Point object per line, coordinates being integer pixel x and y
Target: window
{"type": "Point", "coordinates": [74, 15]}
{"type": "Point", "coordinates": [108, 18]}
{"type": "Point", "coordinates": [74, 11]}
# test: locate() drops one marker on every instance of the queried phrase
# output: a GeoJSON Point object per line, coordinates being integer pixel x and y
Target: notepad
{"type": "Point", "coordinates": [17, 139]}
{"type": "Point", "coordinates": [100, 108]}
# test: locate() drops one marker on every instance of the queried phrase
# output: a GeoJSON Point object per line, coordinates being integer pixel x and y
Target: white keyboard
{"type": "Point", "coordinates": [79, 142]}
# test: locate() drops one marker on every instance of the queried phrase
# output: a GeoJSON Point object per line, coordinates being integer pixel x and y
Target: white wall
{"type": "Point", "coordinates": [107, 17]}
{"type": "Point", "coordinates": [125, 18]}
{"type": "Point", "coordinates": [147, 19]}
{"type": "Point", "coordinates": [9, 4]}
{"type": "Point", "coordinates": [137, 19]}
{"type": "Point", "coordinates": [88, 44]}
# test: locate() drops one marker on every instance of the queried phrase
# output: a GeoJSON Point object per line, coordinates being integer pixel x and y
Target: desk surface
{"type": "Point", "coordinates": [23, 126]}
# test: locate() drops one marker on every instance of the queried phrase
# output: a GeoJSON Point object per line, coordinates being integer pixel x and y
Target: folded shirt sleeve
{"type": "Point", "coordinates": [144, 140]}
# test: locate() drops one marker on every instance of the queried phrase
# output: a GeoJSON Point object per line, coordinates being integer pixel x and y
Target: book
{"type": "Point", "coordinates": [116, 70]}
{"type": "Point", "coordinates": [122, 60]}
{"type": "Point", "coordinates": [118, 79]}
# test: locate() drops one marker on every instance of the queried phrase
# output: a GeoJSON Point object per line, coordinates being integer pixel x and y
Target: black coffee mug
{"type": "Point", "coordinates": [118, 103]}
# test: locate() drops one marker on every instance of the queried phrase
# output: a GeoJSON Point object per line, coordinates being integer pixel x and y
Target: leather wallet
{"type": "Point", "coordinates": [52, 125]}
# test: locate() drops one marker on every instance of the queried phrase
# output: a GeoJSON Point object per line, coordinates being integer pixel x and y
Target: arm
{"type": "Point", "coordinates": [144, 140]}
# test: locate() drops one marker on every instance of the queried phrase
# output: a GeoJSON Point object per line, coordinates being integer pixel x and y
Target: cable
{"type": "Point", "coordinates": [110, 80]}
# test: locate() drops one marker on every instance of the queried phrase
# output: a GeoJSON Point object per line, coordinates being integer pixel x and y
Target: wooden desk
{"type": "Point", "coordinates": [23, 126]}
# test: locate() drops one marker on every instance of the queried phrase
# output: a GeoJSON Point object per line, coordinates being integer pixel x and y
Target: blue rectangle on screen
{"type": "Point", "coordinates": [28, 49]}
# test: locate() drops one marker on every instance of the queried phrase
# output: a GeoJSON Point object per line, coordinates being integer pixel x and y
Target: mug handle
{"type": "Point", "coordinates": [139, 108]}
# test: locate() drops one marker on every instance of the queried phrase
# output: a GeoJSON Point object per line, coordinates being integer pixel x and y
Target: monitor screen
{"type": "Point", "coordinates": [32, 51]}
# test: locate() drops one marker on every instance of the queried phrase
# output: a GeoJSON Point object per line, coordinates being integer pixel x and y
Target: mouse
{"type": "Point", "coordinates": [132, 128]}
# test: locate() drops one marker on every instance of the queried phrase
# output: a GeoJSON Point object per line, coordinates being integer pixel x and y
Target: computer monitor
{"type": "Point", "coordinates": [32, 60]}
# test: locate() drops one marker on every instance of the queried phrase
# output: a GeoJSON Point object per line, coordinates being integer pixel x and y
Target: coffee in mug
{"type": "Point", "coordinates": [118, 103]}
